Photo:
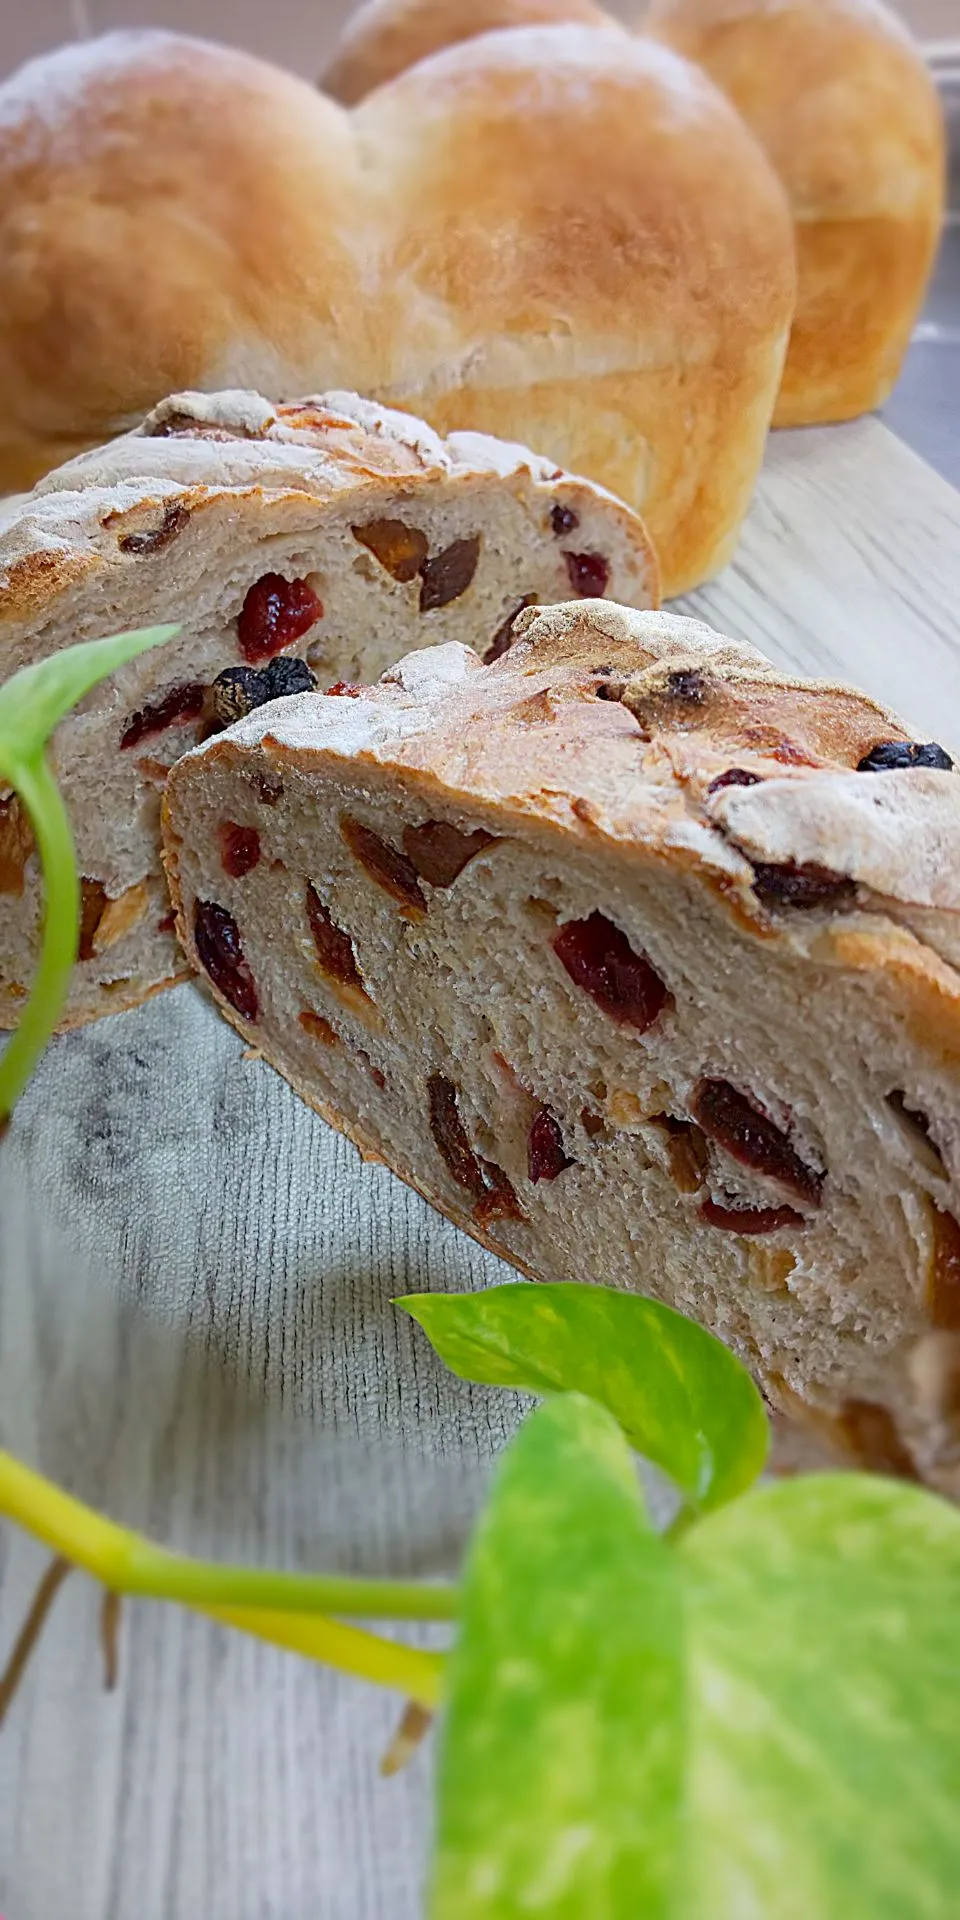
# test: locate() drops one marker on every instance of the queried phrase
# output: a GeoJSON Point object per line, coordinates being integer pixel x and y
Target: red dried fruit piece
{"type": "Point", "coordinates": [334, 948]}
{"type": "Point", "coordinates": [749, 1219]}
{"type": "Point", "coordinates": [347, 689]}
{"type": "Point", "coordinates": [448, 574]}
{"type": "Point", "coordinates": [450, 1136]}
{"type": "Point", "coordinates": [503, 638]}
{"type": "Point", "coordinates": [239, 849]}
{"type": "Point", "coordinates": [734, 777]}
{"type": "Point", "coordinates": [801, 884]}
{"type": "Point", "coordinates": [746, 1133]}
{"type": "Point", "coordinates": [274, 614]}
{"type": "Point", "coordinates": [589, 574]}
{"type": "Point", "coordinates": [545, 1155]}
{"type": "Point", "coordinates": [600, 959]}
{"type": "Point", "coordinates": [181, 703]}
{"type": "Point", "coordinates": [563, 520]}
{"type": "Point", "coordinates": [439, 851]}
{"type": "Point", "coordinates": [93, 906]}
{"type": "Point", "coordinates": [385, 864]}
{"type": "Point", "coordinates": [220, 953]}
{"type": "Point", "coordinates": [167, 924]}
{"type": "Point", "coordinates": [943, 1279]}
{"type": "Point", "coordinates": [500, 1201]}
{"type": "Point", "coordinates": [16, 844]}
{"type": "Point", "coordinates": [315, 1024]}
{"type": "Point", "coordinates": [400, 549]}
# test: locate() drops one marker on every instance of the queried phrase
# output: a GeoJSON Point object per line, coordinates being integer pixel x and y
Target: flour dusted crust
{"type": "Point", "coordinates": [359, 522]}
{"type": "Point", "coordinates": [841, 101]}
{"type": "Point", "coordinates": [561, 236]}
{"type": "Point", "coordinates": [612, 952]}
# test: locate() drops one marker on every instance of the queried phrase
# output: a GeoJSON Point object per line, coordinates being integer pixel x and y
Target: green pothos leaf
{"type": "Point", "coordinates": [562, 1749]}
{"type": "Point", "coordinates": [682, 1398]}
{"type": "Point", "coordinates": [36, 699]}
{"type": "Point", "coordinates": [758, 1720]}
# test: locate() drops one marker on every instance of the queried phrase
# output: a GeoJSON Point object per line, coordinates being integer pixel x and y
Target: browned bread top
{"type": "Point", "coordinates": [384, 37]}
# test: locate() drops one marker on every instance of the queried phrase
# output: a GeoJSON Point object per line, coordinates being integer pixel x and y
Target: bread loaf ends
{"type": "Point", "coordinates": [561, 236]}
{"type": "Point", "coordinates": [298, 545]}
{"type": "Point", "coordinates": [640, 961]}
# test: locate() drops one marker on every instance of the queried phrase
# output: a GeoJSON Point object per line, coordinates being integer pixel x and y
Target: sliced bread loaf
{"type": "Point", "coordinates": [298, 545]}
{"type": "Point", "coordinates": [640, 961]}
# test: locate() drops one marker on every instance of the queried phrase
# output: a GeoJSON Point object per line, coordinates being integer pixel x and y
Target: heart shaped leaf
{"type": "Point", "coordinates": [562, 1748]}
{"type": "Point", "coordinates": [682, 1398]}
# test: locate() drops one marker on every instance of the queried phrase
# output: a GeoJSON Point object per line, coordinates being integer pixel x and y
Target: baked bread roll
{"type": "Point", "coordinates": [382, 39]}
{"type": "Point", "coordinates": [299, 545]}
{"type": "Point", "coordinates": [563, 237]}
{"type": "Point", "coordinates": [841, 101]}
{"type": "Point", "coordinates": [640, 961]}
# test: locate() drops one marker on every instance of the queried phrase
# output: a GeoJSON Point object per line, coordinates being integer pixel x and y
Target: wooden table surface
{"type": "Point", "coordinates": [196, 1334]}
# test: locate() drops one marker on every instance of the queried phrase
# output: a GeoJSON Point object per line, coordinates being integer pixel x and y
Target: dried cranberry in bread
{"type": "Point", "coordinates": [640, 961]}
{"type": "Point", "coordinates": [564, 236]}
{"type": "Point", "coordinates": [299, 545]}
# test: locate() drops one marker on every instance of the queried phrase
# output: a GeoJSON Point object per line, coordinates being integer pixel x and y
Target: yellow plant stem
{"type": "Point", "coordinates": [287, 1609]}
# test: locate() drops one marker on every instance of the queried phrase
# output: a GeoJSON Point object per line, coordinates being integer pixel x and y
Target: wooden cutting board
{"type": "Point", "coordinates": [196, 1334]}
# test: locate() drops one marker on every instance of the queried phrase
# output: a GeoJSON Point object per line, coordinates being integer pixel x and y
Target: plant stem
{"type": "Point", "coordinates": [36, 787]}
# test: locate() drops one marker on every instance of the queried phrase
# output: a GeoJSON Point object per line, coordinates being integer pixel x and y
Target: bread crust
{"type": "Point", "coordinates": [525, 234]}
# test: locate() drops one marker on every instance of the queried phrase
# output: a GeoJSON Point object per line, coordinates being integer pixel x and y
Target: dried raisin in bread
{"type": "Point", "coordinates": [642, 962]}
{"type": "Point", "coordinates": [298, 545]}
{"type": "Point", "coordinates": [564, 236]}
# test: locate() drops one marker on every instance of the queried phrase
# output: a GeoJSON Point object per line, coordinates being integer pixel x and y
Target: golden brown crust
{"type": "Point", "coordinates": [385, 37]}
{"type": "Point", "coordinates": [189, 217]}
{"type": "Point", "coordinates": [846, 110]}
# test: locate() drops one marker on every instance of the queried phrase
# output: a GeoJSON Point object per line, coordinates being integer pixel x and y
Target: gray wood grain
{"type": "Point", "coordinates": [196, 1334]}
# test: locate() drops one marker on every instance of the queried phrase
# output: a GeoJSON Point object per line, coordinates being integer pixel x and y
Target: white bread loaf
{"type": "Point", "coordinates": [298, 545]}
{"type": "Point", "coordinates": [563, 237]}
{"type": "Point", "coordinates": [841, 100]}
{"type": "Point", "coordinates": [611, 951]}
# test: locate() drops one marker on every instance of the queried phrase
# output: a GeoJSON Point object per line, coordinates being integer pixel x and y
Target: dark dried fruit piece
{"type": "Point", "coordinates": [235, 693]}
{"type": "Point", "coordinates": [174, 520]}
{"type": "Point", "coordinates": [503, 638]}
{"type": "Point", "coordinates": [889, 755]}
{"type": "Point", "coordinates": [589, 574]}
{"type": "Point", "coordinates": [870, 1432]}
{"type": "Point", "coordinates": [592, 1123]}
{"type": "Point", "coordinates": [801, 884]}
{"type": "Point", "coordinates": [180, 704]}
{"type": "Point", "coordinates": [334, 948]}
{"type": "Point", "coordinates": [274, 614]}
{"type": "Point", "coordinates": [220, 953]}
{"type": "Point", "coordinates": [16, 844]}
{"type": "Point", "coordinates": [385, 864]}
{"type": "Point", "coordinates": [746, 1133]}
{"type": "Point", "coordinates": [943, 1279]}
{"type": "Point", "coordinates": [563, 520]}
{"type": "Point", "coordinates": [93, 906]}
{"type": "Point", "coordinates": [401, 550]}
{"type": "Point", "coordinates": [545, 1154]}
{"type": "Point", "coordinates": [500, 1201]}
{"type": "Point", "coordinates": [600, 959]}
{"type": "Point", "coordinates": [239, 849]}
{"type": "Point", "coordinates": [439, 851]}
{"type": "Point", "coordinates": [448, 574]}
{"type": "Point", "coordinates": [749, 1219]}
{"type": "Point", "coordinates": [450, 1136]}
{"type": "Point", "coordinates": [734, 777]}
{"type": "Point", "coordinates": [287, 676]}
{"type": "Point", "coordinates": [315, 1024]}
{"type": "Point", "coordinates": [270, 788]}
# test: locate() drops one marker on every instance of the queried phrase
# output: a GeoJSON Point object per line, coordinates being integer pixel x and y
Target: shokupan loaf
{"type": "Point", "coordinates": [564, 237]}
{"type": "Point", "coordinates": [640, 961]}
{"type": "Point", "coordinates": [842, 102]}
{"type": "Point", "coordinates": [299, 545]}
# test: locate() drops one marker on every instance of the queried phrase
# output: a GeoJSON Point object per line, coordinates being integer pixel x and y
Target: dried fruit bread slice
{"type": "Point", "coordinates": [641, 1021]}
{"type": "Point", "coordinates": [298, 545]}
